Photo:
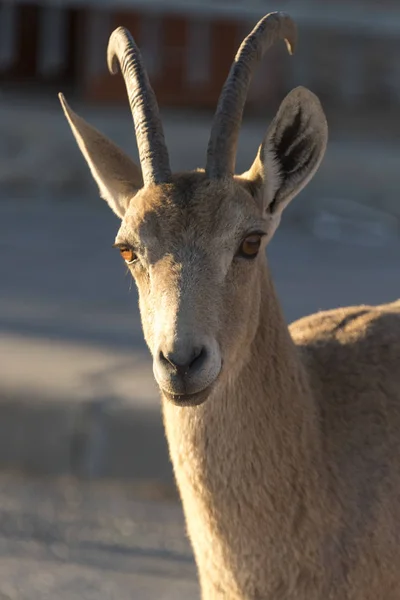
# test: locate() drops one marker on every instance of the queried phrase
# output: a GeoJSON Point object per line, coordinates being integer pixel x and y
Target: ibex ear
{"type": "Point", "coordinates": [117, 176]}
{"type": "Point", "coordinates": [291, 152]}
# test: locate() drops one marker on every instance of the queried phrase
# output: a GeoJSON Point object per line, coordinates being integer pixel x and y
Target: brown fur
{"type": "Point", "coordinates": [289, 468]}
{"type": "Point", "coordinates": [298, 498]}
{"type": "Point", "coordinates": [288, 473]}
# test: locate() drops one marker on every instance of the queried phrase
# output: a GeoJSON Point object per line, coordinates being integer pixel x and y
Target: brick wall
{"type": "Point", "coordinates": [38, 45]}
{"type": "Point", "coordinates": [188, 57]}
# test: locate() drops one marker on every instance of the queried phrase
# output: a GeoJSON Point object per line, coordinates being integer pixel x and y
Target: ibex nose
{"type": "Point", "coordinates": [186, 367]}
{"type": "Point", "coordinates": [183, 361]}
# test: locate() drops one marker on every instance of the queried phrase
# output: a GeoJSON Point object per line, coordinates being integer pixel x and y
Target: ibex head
{"type": "Point", "coordinates": [195, 242]}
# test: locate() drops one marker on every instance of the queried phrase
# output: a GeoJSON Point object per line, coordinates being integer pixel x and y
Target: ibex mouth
{"type": "Point", "coordinates": [188, 399]}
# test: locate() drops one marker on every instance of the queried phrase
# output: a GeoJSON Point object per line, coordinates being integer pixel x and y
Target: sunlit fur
{"type": "Point", "coordinates": [187, 234]}
{"type": "Point", "coordinates": [288, 465]}
{"type": "Point", "coordinates": [289, 472]}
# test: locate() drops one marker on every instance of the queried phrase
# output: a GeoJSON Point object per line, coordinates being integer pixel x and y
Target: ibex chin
{"type": "Point", "coordinates": [285, 442]}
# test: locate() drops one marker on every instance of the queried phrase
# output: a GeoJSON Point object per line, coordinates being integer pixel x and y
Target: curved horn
{"type": "Point", "coordinates": [221, 152]}
{"type": "Point", "coordinates": [153, 151]}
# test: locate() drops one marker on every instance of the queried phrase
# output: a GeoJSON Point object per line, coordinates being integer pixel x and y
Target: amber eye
{"type": "Point", "coordinates": [250, 246]}
{"type": "Point", "coordinates": [128, 255]}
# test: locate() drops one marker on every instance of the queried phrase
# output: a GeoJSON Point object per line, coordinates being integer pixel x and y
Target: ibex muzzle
{"type": "Point", "coordinates": [186, 369]}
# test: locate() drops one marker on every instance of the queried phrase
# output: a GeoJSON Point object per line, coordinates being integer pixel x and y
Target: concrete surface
{"type": "Point", "coordinates": [77, 394]}
{"type": "Point", "coordinates": [64, 540]}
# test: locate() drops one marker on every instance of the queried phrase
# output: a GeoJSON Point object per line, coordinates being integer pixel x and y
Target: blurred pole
{"type": "Point", "coordinates": [8, 37]}
{"type": "Point", "coordinates": [301, 67]}
{"type": "Point", "coordinates": [52, 48]}
{"type": "Point", "coordinates": [98, 32]}
{"type": "Point", "coordinates": [352, 72]}
{"type": "Point", "coordinates": [392, 79]}
{"type": "Point", "coordinates": [198, 59]}
{"type": "Point", "coordinates": [151, 44]}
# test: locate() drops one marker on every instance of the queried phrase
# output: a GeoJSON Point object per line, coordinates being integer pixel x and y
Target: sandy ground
{"type": "Point", "coordinates": [60, 539]}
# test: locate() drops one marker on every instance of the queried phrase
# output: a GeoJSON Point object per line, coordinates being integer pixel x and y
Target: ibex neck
{"type": "Point", "coordinates": [247, 466]}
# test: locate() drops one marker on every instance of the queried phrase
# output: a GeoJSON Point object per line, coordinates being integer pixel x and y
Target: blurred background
{"type": "Point", "coordinates": [88, 506]}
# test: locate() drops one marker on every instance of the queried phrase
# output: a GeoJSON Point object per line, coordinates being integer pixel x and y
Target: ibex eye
{"type": "Point", "coordinates": [250, 246]}
{"type": "Point", "coordinates": [128, 255]}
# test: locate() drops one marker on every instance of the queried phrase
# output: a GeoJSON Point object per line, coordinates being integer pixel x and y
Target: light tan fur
{"type": "Point", "coordinates": [286, 442]}
{"type": "Point", "coordinates": [289, 472]}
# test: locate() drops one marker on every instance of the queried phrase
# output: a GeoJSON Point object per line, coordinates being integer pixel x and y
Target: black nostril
{"type": "Point", "coordinates": [198, 358]}
{"type": "Point", "coordinates": [183, 363]}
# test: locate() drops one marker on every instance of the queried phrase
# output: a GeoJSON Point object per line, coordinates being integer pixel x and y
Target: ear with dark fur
{"type": "Point", "coordinates": [291, 152]}
{"type": "Point", "coordinates": [117, 176]}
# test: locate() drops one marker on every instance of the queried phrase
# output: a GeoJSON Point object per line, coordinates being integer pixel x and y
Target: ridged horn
{"type": "Point", "coordinates": [123, 52]}
{"type": "Point", "coordinates": [221, 152]}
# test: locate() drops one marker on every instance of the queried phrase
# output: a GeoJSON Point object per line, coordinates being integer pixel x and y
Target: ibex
{"type": "Point", "coordinates": [285, 443]}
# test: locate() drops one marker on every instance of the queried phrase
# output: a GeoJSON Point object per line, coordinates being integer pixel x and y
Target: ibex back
{"type": "Point", "coordinates": [285, 443]}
